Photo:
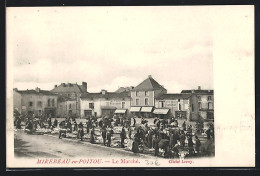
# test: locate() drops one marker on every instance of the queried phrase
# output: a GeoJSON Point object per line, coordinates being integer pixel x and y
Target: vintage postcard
{"type": "Point", "coordinates": [154, 86]}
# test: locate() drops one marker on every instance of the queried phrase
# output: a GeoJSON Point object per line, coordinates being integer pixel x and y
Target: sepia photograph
{"type": "Point", "coordinates": [127, 86]}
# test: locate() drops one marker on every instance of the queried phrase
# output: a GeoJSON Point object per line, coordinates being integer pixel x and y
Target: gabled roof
{"type": "Point", "coordinates": [198, 91]}
{"type": "Point", "coordinates": [106, 95]}
{"type": "Point", "coordinates": [173, 96]}
{"type": "Point", "coordinates": [148, 84]}
{"type": "Point", "coordinates": [64, 88]}
{"type": "Point", "coordinates": [41, 92]}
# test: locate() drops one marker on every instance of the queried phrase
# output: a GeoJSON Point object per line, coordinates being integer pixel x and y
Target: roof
{"type": "Point", "coordinates": [41, 92]}
{"type": "Point", "coordinates": [173, 96]}
{"type": "Point", "coordinates": [64, 88]}
{"type": "Point", "coordinates": [124, 89]}
{"type": "Point", "coordinates": [148, 84]}
{"type": "Point", "coordinates": [106, 95]}
{"type": "Point", "coordinates": [65, 98]}
{"type": "Point", "coordinates": [198, 91]}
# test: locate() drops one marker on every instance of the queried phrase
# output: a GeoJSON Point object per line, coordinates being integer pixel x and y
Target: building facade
{"type": "Point", "coordinates": [176, 105]}
{"type": "Point", "coordinates": [202, 103]}
{"type": "Point", "coordinates": [37, 102]}
{"type": "Point", "coordinates": [66, 107]}
{"type": "Point", "coordinates": [143, 97]}
{"type": "Point", "coordinates": [104, 103]}
{"type": "Point", "coordinates": [73, 92]}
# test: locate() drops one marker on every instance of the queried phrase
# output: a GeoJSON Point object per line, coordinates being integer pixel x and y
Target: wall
{"type": "Point", "coordinates": [142, 97]}
{"type": "Point", "coordinates": [17, 100]}
{"type": "Point", "coordinates": [173, 105]}
{"type": "Point", "coordinates": [98, 103]}
{"type": "Point", "coordinates": [26, 98]}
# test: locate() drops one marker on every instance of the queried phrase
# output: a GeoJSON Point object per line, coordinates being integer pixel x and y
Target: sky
{"type": "Point", "coordinates": [111, 47]}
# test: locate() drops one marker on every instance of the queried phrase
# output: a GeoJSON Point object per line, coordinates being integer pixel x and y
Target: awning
{"type": "Point", "coordinates": [146, 109]}
{"type": "Point", "coordinates": [135, 109]}
{"type": "Point", "coordinates": [120, 111]}
{"type": "Point", "coordinates": [161, 111]}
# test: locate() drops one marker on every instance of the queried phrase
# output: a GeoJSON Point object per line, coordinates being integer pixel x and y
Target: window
{"type": "Point", "coordinates": [192, 107]}
{"type": "Point", "coordinates": [69, 106]}
{"type": "Point", "coordinates": [199, 105]}
{"type": "Point", "coordinates": [91, 105]}
{"type": "Point", "coordinates": [162, 104]}
{"type": "Point", "coordinates": [179, 100]}
{"type": "Point", "coordinates": [53, 103]}
{"type": "Point", "coordinates": [210, 106]}
{"type": "Point", "coordinates": [137, 102]}
{"type": "Point", "coordinates": [30, 103]}
{"type": "Point", "coordinates": [199, 98]}
{"type": "Point", "coordinates": [39, 104]}
{"type": "Point", "coordinates": [146, 101]}
{"type": "Point", "coordinates": [209, 97]}
{"type": "Point", "coordinates": [49, 102]}
{"type": "Point", "coordinates": [146, 93]}
{"type": "Point", "coordinates": [180, 107]}
{"type": "Point", "coordinates": [123, 105]}
{"type": "Point", "coordinates": [137, 93]}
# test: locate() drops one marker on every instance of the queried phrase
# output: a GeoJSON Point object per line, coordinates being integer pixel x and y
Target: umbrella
{"type": "Point", "coordinates": [163, 143]}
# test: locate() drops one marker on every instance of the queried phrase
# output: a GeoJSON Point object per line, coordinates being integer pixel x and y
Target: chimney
{"type": "Point", "coordinates": [103, 91]}
{"type": "Point", "coordinates": [199, 88]}
{"type": "Point", "coordinates": [149, 76]}
{"type": "Point", "coordinates": [69, 85]}
{"type": "Point", "coordinates": [55, 86]}
{"type": "Point", "coordinates": [37, 89]}
{"type": "Point", "coordinates": [84, 84]}
{"type": "Point", "coordinates": [63, 84]}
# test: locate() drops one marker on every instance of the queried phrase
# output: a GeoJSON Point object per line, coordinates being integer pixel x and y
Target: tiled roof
{"type": "Point", "coordinates": [65, 98]}
{"type": "Point", "coordinates": [198, 91]}
{"type": "Point", "coordinates": [106, 95]}
{"type": "Point", "coordinates": [149, 84]}
{"type": "Point", "coordinates": [41, 92]}
{"type": "Point", "coordinates": [173, 96]}
{"type": "Point", "coordinates": [64, 88]}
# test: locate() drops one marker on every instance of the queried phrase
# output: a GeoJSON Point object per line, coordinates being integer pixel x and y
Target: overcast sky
{"type": "Point", "coordinates": [110, 47]}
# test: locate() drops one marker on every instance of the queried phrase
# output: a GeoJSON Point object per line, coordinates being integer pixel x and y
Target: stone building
{"type": "Point", "coordinates": [37, 102]}
{"type": "Point", "coordinates": [105, 103]}
{"type": "Point", "coordinates": [176, 105]}
{"type": "Point", "coordinates": [202, 103]}
{"type": "Point", "coordinates": [143, 97]}
{"type": "Point", "coordinates": [73, 92]}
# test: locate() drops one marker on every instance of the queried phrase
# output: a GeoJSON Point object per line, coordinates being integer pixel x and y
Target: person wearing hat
{"type": "Point", "coordinates": [123, 136]}
{"type": "Point", "coordinates": [190, 146]}
{"type": "Point", "coordinates": [197, 145]}
{"type": "Point", "coordinates": [103, 134]}
{"type": "Point", "coordinates": [80, 131]}
{"type": "Point", "coordinates": [75, 128]}
{"type": "Point", "coordinates": [109, 136]}
{"type": "Point", "coordinates": [92, 134]}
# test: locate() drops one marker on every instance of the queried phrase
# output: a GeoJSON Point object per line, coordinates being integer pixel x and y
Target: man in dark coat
{"type": "Point", "coordinates": [80, 131]}
{"type": "Point", "coordinates": [182, 139]}
{"type": "Point", "coordinates": [190, 146]}
{"type": "Point", "coordinates": [104, 134]}
{"type": "Point", "coordinates": [109, 137]}
{"type": "Point", "coordinates": [156, 145]}
{"type": "Point", "coordinates": [18, 123]}
{"type": "Point", "coordinates": [184, 126]}
{"type": "Point", "coordinates": [123, 136]}
{"type": "Point", "coordinates": [92, 134]}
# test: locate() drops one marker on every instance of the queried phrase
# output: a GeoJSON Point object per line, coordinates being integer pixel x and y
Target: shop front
{"type": "Point", "coordinates": [161, 113]}
{"type": "Point", "coordinates": [135, 111]}
{"type": "Point", "coordinates": [120, 112]}
{"type": "Point", "coordinates": [146, 112]}
{"type": "Point", "coordinates": [181, 115]}
{"type": "Point", "coordinates": [108, 110]}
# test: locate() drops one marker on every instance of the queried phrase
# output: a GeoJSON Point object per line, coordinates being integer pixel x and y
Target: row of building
{"type": "Point", "coordinates": [148, 99]}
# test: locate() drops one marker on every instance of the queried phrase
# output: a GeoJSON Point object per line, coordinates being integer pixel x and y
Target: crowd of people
{"type": "Point", "coordinates": [165, 134]}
